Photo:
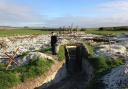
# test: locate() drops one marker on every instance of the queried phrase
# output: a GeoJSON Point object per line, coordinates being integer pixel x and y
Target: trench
{"type": "Point", "coordinates": [75, 73]}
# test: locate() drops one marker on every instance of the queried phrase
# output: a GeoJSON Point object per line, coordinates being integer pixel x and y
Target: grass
{"type": "Point", "coordinates": [90, 49]}
{"type": "Point", "coordinates": [17, 32]}
{"type": "Point", "coordinates": [61, 53]}
{"type": "Point", "coordinates": [28, 31]}
{"type": "Point", "coordinates": [24, 54]}
{"type": "Point", "coordinates": [8, 79]}
{"type": "Point", "coordinates": [33, 69]}
{"type": "Point", "coordinates": [102, 65]}
{"type": "Point", "coordinates": [27, 72]}
{"type": "Point", "coordinates": [126, 87]}
{"type": "Point", "coordinates": [48, 50]}
{"type": "Point", "coordinates": [105, 32]}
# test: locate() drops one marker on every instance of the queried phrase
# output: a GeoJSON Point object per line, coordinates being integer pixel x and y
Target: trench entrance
{"type": "Point", "coordinates": [76, 69]}
{"type": "Point", "coordinates": [73, 57]}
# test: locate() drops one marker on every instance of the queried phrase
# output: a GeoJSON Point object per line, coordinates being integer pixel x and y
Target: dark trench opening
{"type": "Point", "coordinates": [73, 69]}
{"type": "Point", "coordinates": [73, 58]}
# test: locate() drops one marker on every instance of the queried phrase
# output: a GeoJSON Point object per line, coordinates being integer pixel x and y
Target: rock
{"type": "Point", "coordinates": [117, 78]}
{"type": "Point", "coordinates": [25, 44]}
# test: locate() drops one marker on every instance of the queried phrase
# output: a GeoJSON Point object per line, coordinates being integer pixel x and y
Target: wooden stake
{"type": "Point", "coordinates": [11, 58]}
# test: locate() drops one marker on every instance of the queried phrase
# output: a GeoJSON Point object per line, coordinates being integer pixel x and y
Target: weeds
{"type": "Point", "coordinates": [102, 66]}
{"type": "Point", "coordinates": [33, 69]}
{"type": "Point", "coordinates": [61, 53]}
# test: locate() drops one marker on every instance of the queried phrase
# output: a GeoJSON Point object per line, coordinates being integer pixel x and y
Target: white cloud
{"type": "Point", "coordinates": [11, 13]}
{"type": "Point", "coordinates": [116, 5]}
{"type": "Point", "coordinates": [112, 13]}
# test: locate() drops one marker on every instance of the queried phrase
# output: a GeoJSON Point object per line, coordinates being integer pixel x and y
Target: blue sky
{"type": "Point", "coordinates": [56, 13]}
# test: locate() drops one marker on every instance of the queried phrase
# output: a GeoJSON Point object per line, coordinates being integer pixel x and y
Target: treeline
{"type": "Point", "coordinates": [123, 28]}
{"type": "Point", "coordinates": [60, 29]}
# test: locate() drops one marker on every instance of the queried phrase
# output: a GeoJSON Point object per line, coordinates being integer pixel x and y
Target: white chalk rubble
{"type": "Point", "coordinates": [117, 78]}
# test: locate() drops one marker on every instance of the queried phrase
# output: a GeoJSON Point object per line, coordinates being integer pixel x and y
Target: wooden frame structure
{"type": "Point", "coordinates": [11, 58]}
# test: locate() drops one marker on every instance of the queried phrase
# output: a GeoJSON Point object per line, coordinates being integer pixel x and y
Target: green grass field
{"type": "Point", "coordinates": [25, 31]}
{"type": "Point", "coordinates": [17, 32]}
{"type": "Point", "coordinates": [105, 32]}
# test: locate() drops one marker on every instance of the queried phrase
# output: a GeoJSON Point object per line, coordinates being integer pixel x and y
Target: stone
{"type": "Point", "coordinates": [117, 78]}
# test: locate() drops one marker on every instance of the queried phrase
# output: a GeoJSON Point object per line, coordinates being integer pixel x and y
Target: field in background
{"type": "Point", "coordinates": [106, 32]}
{"type": "Point", "coordinates": [17, 32]}
{"type": "Point", "coordinates": [28, 31]}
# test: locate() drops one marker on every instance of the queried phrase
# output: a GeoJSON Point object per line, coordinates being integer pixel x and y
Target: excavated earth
{"type": "Point", "coordinates": [75, 80]}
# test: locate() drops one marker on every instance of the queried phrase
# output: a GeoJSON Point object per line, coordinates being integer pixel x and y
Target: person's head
{"type": "Point", "coordinates": [52, 33]}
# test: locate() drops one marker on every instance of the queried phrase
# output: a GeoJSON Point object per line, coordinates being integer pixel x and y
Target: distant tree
{"type": "Point", "coordinates": [120, 28]}
{"type": "Point", "coordinates": [123, 29]}
{"type": "Point", "coordinates": [114, 28]}
{"type": "Point", "coordinates": [26, 27]}
{"type": "Point", "coordinates": [83, 29]}
{"type": "Point", "coordinates": [101, 29]}
{"type": "Point", "coordinates": [60, 29]}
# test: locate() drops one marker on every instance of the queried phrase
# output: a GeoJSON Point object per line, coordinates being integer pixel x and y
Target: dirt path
{"type": "Point", "coordinates": [78, 81]}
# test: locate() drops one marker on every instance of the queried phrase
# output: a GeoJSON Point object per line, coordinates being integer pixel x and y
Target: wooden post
{"type": "Point", "coordinates": [11, 59]}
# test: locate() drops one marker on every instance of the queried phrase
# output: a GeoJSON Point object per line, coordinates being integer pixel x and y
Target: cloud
{"type": "Point", "coordinates": [116, 5]}
{"type": "Point", "coordinates": [11, 13]}
{"type": "Point", "coordinates": [112, 13]}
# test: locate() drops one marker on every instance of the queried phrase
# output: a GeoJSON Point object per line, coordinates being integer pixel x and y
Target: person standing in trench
{"type": "Point", "coordinates": [53, 43]}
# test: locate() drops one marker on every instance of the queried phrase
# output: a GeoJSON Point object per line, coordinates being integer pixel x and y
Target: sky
{"type": "Point", "coordinates": [58, 13]}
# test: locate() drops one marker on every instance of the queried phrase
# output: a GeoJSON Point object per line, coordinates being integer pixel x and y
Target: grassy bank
{"type": "Point", "coordinates": [102, 65]}
{"type": "Point", "coordinates": [25, 31]}
{"type": "Point", "coordinates": [61, 53]}
{"type": "Point", "coordinates": [27, 72]}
